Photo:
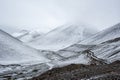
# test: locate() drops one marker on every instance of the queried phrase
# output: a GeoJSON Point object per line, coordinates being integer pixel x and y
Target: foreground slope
{"type": "Point", "coordinates": [14, 51]}
{"type": "Point", "coordinates": [62, 37]}
{"type": "Point", "coordinates": [83, 72]}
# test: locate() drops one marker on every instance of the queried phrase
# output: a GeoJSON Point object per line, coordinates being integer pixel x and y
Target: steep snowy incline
{"type": "Point", "coordinates": [62, 37]}
{"type": "Point", "coordinates": [27, 36]}
{"type": "Point", "coordinates": [13, 51]}
{"type": "Point", "coordinates": [109, 50]}
{"type": "Point", "coordinates": [104, 45]}
{"type": "Point", "coordinates": [110, 33]}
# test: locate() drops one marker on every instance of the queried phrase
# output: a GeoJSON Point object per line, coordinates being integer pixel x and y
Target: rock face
{"type": "Point", "coordinates": [83, 72]}
{"type": "Point", "coordinates": [94, 59]}
{"type": "Point", "coordinates": [22, 72]}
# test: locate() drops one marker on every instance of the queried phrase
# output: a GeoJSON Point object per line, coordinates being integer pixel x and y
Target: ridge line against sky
{"type": "Point", "coordinates": [45, 15]}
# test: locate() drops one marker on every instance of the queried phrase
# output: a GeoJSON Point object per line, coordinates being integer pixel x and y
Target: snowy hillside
{"type": "Point", "coordinates": [20, 34]}
{"type": "Point", "coordinates": [107, 49]}
{"type": "Point", "coordinates": [27, 36]}
{"type": "Point", "coordinates": [14, 51]}
{"type": "Point", "coordinates": [110, 33]}
{"type": "Point", "coordinates": [104, 53]}
{"type": "Point", "coordinates": [62, 37]}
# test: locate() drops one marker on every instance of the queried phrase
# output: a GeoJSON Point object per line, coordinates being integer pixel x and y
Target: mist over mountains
{"type": "Point", "coordinates": [59, 39]}
{"type": "Point", "coordinates": [69, 44]}
{"type": "Point", "coordinates": [62, 37]}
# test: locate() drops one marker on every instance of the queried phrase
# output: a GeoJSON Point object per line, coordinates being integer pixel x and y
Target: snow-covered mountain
{"type": "Point", "coordinates": [62, 37]}
{"type": "Point", "coordinates": [107, 49]}
{"type": "Point", "coordinates": [27, 36]}
{"type": "Point", "coordinates": [14, 51]}
{"type": "Point", "coordinates": [110, 33]}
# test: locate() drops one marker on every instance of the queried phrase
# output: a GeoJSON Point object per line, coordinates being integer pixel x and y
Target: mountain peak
{"type": "Point", "coordinates": [62, 36]}
{"type": "Point", "coordinates": [107, 34]}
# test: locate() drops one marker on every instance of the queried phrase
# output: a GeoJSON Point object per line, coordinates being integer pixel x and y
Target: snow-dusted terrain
{"type": "Point", "coordinates": [20, 61]}
{"type": "Point", "coordinates": [104, 45]}
{"type": "Point", "coordinates": [101, 48]}
{"type": "Point", "coordinates": [62, 37]}
{"type": "Point", "coordinates": [110, 33]}
{"type": "Point", "coordinates": [13, 51]}
{"type": "Point", "coordinates": [27, 36]}
{"type": "Point", "coordinates": [109, 50]}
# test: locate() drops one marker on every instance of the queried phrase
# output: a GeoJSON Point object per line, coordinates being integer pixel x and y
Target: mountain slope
{"type": "Point", "coordinates": [14, 51]}
{"type": "Point", "coordinates": [62, 37]}
{"type": "Point", "coordinates": [108, 48]}
{"type": "Point", "coordinates": [27, 36]}
{"type": "Point", "coordinates": [110, 33]}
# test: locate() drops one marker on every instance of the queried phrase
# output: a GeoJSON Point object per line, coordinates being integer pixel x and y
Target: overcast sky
{"type": "Point", "coordinates": [45, 15]}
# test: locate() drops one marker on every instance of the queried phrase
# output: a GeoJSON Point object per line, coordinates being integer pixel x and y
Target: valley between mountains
{"type": "Point", "coordinates": [68, 52]}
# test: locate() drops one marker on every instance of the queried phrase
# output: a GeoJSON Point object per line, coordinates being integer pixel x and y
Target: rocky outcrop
{"type": "Point", "coordinates": [83, 72]}
{"type": "Point", "coordinates": [94, 59]}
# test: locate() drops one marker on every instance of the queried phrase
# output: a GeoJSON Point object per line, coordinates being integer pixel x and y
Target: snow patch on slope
{"type": "Point", "coordinates": [27, 36]}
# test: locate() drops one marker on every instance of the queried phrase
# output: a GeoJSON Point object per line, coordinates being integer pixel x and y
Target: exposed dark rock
{"type": "Point", "coordinates": [94, 59]}
{"type": "Point", "coordinates": [112, 40]}
{"type": "Point", "coordinates": [80, 71]}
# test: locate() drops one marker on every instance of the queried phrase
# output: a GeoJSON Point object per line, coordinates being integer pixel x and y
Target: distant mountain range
{"type": "Point", "coordinates": [62, 37]}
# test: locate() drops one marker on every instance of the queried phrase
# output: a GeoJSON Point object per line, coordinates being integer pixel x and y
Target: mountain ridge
{"type": "Point", "coordinates": [13, 50]}
{"type": "Point", "coordinates": [61, 37]}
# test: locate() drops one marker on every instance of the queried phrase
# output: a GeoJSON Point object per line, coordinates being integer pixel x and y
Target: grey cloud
{"type": "Point", "coordinates": [48, 14]}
